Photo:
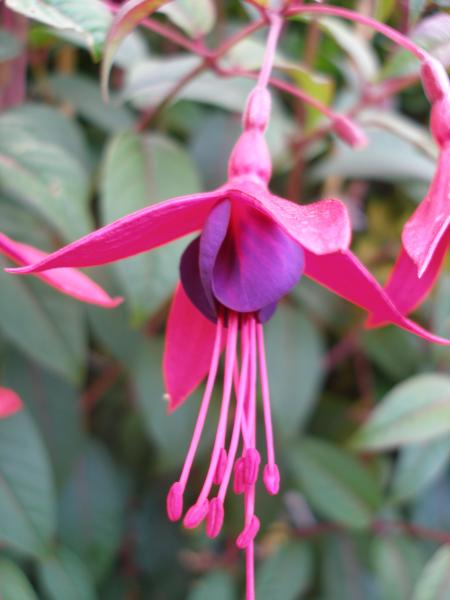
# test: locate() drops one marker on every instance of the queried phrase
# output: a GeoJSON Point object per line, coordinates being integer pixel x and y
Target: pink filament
{"type": "Point", "coordinates": [230, 360]}
{"type": "Point", "coordinates": [265, 392]}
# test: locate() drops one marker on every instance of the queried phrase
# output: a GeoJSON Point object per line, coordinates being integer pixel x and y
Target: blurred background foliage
{"type": "Point", "coordinates": [362, 418]}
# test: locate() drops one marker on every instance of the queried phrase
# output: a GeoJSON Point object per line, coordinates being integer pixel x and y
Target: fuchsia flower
{"type": "Point", "coordinates": [10, 403]}
{"type": "Point", "coordinates": [253, 248]}
{"type": "Point", "coordinates": [67, 281]}
{"type": "Point", "coordinates": [426, 235]}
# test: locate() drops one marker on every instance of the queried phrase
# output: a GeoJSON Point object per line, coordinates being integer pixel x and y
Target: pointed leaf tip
{"type": "Point", "coordinates": [128, 17]}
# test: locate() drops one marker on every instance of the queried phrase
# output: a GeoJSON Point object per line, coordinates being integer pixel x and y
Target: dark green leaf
{"type": "Point", "coordinates": [217, 585]}
{"type": "Point", "coordinates": [63, 575]}
{"type": "Point", "coordinates": [335, 483]}
{"type": "Point", "coordinates": [434, 581]}
{"type": "Point", "coordinates": [416, 410]}
{"type": "Point", "coordinates": [27, 502]}
{"type": "Point", "coordinates": [13, 583]}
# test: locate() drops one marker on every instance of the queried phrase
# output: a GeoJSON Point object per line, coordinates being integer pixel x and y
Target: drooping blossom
{"type": "Point", "coordinates": [67, 281]}
{"type": "Point", "coordinates": [253, 248]}
{"type": "Point", "coordinates": [10, 403]}
{"type": "Point", "coordinates": [426, 235]}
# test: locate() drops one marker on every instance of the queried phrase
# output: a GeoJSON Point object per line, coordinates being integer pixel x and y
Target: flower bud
{"type": "Point", "coordinates": [349, 132]}
{"type": "Point", "coordinates": [434, 79]}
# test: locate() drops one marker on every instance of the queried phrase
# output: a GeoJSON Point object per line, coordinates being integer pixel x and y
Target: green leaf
{"type": "Point", "coordinates": [84, 95]}
{"type": "Point", "coordinates": [27, 502]}
{"type": "Point", "coordinates": [55, 406]}
{"type": "Point", "coordinates": [63, 575]}
{"type": "Point", "coordinates": [396, 352]}
{"type": "Point", "coordinates": [195, 17]}
{"type": "Point", "coordinates": [294, 356]}
{"type": "Point", "coordinates": [44, 175]}
{"type": "Point", "coordinates": [138, 171]}
{"type": "Point", "coordinates": [387, 157]}
{"type": "Point", "coordinates": [89, 18]}
{"type": "Point", "coordinates": [24, 320]}
{"type": "Point", "coordinates": [418, 467]}
{"type": "Point", "coordinates": [129, 16]}
{"type": "Point", "coordinates": [336, 484]}
{"type": "Point", "coordinates": [91, 510]}
{"type": "Point", "coordinates": [149, 81]}
{"type": "Point", "coordinates": [434, 581]}
{"type": "Point", "coordinates": [397, 562]}
{"type": "Point", "coordinates": [286, 574]}
{"type": "Point", "coordinates": [217, 585]}
{"type": "Point", "coordinates": [13, 583]}
{"type": "Point", "coordinates": [416, 410]}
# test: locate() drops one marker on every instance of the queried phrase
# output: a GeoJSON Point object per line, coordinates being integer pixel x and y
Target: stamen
{"type": "Point", "coordinates": [221, 466]}
{"type": "Point", "coordinates": [271, 476]}
{"type": "Point", "coordinates": [252, 460]}
{"type": "Point", "coordinates": [205, 403]}
{"type": "Point", "coordinates": [238, 479]}
{"type": "Point", "coordinates": [214, 520]}
{"type": "Point", "coordinates": [230, 360]}
{"type": "Point", "coordinates": [249, 533]}
{"type": "Point", "coordinates": [196, 514]}
{"type": "Point", "coordinates": [240, 401]}
{"type": "Point", "coordinates": [250, 572]}
{"type": "Point", "coordinates": [174, 501]}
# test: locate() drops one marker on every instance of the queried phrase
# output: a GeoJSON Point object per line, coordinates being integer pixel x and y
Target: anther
{"type": "Point", "coordinates": [214, 520]}
{"type": "Point", "coordinates": [174, 503]}
{"type": "Point", "coordinates": [196, 514]}
{"type": "Point", "coordinates": [252, 460]}
{"type": "Point", "coordinates": [248, 534]}
{"type": "Point", "coordinates": [271, 478]}
{"type": "Point", "coordinates": [239, 476]}
{"type": "Point", "coordinates": [221, 466]}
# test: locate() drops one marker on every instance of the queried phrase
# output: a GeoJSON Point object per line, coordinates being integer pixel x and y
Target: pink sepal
{"type": "Point", "coordinates": [68, 281]}
{"type": "Point", "coordinates": [188, 348]}
{"type": "Point", "coordinates": [214, 520]}
{"type": "Point", "coordinates": [423, 232]}
{"type": "Point", "coordinates": [249, 533]}
{"type": "Point", "coordinates": [434, 79]}
{"type": "Point", "coordinates": [10, 403]}
{"type": "Point", "coordinates": [137, 232]}
{"type": "Point", "coordinates": [346, 276]}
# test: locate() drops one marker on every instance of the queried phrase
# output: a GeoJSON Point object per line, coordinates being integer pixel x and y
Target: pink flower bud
{"type": "Point", "coordinates": [174, 503]}
{"type": "Point", "coordinates": [434, 79]}
{"type": "Point", "coordinates": [257, 111]}
{"type": "Point", "coordinates": [271, 478]}
{"type": "Point", "coordinates": [250, 157]}
{"type": "Point", "coordinates": [196, 514]}
{"type": "Point", "coordinates": [252, 460]}
{"type": "Point", "coordinates": [248, 534]}
{"type": "Point", "coordinates": [238, 480]}
{"type": "Point", "coordinates": [349, 132]}
{"type": "Point", "coordinates": [221, 466]}
{"type": "Point", "coordinates": [214, 520]}
{"type": "Point", "coordinates": [440, 121]}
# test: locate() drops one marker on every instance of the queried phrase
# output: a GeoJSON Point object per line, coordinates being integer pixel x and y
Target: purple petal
{"type": "Point", "coordinates": [192, 283]}
{"type": "Point", "coordinates": [257, 263]}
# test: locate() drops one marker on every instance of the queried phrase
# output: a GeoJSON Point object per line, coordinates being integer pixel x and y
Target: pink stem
{"type": "Point", "coordinates": [265, 392]}
{"type": "Point", "coordinates": [230, 360]}
{"type": "Point", "coordinates": [204, 405]}
{"type": "Point", "coordinates": [276, 23]}
{"type": "Point", "coordinates": [240, 400]}
{"type": "Point", "coordinates": [250, 571]}
{"type": "Point", "coordinates": [389, 32]}
{"type": "Point", "coordinates": [163, 30]}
